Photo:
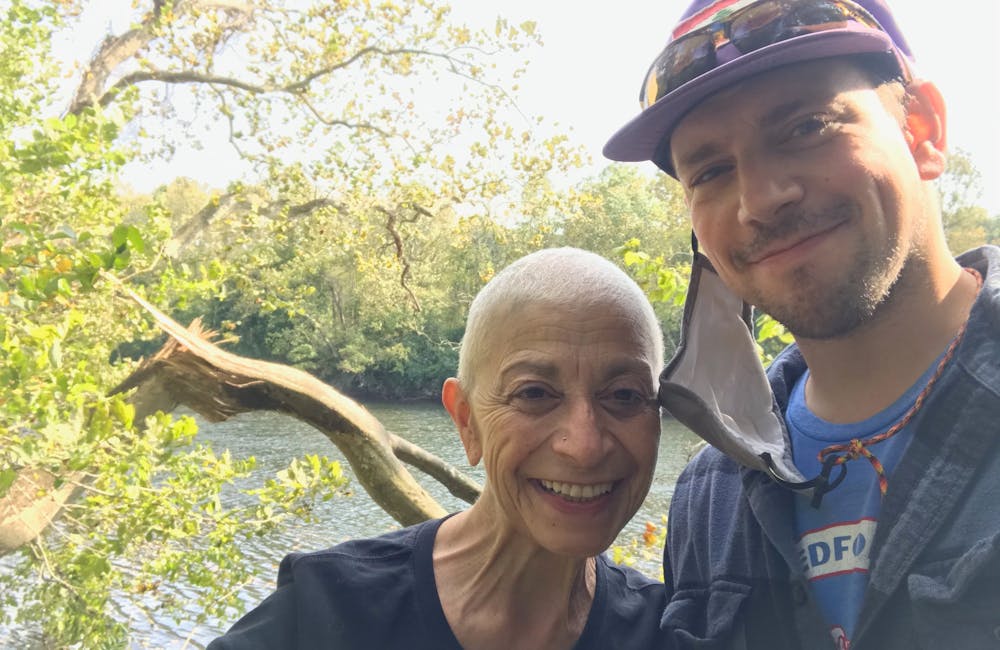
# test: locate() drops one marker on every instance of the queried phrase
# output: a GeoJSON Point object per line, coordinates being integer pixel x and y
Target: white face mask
{"type": "Point", "coordinates": [715, 384]}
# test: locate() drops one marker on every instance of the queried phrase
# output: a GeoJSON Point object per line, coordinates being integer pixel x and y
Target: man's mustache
{"type": "Point", "coordinates": [791, 225]}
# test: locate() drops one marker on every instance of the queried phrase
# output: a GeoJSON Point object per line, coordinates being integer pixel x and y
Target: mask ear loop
{"type": "Point", "coordinates": [820, 485]}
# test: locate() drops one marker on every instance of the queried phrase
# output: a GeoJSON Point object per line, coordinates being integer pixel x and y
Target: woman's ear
{"type": "Point", "coordinates": [457, 405]}
{"type": "Point", "coordinates": [925, 130]}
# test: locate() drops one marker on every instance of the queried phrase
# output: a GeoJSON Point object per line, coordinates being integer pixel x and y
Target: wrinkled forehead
{"type": "Point", "coordinates": [565, 326]}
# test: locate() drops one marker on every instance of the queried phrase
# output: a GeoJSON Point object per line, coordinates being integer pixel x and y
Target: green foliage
{"type": "Point", "coordinates": [664, 284]}
{"type": "Point", "coordinates": [966, 224]}
{"type": "Point", "coordinates": [623, 203]}
{"type": "Point", "coordinates": [151, 511]}
{"type": "Point", "coordinates": [148, 497]}
{"type": "Point", "coordinates": [772, 337]}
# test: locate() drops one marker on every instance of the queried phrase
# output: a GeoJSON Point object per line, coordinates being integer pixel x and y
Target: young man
{"type": "Point", "coordinates": [851, 498]}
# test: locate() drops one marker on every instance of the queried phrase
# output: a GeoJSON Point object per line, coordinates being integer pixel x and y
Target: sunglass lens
{"type": "Point", "coordinates": [749, 29]}
{"type": "Point", "coordinates": [777, 21]}
{"type": "Point", "coordinates": [683, 61]}
{"type": "Point", "coordinates": [760, 26]}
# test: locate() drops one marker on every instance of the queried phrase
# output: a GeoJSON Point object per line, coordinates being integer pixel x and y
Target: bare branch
{"type": "Point", "coordinates": [303, 84]}
{"type": "Point", "coordinates": [180, 77]}
{"type": "Point", "coordinates": [457, 483]}
{"type": "Point", "coordinates": [368, 126]}
{"type": "Point", "coordinates": [390, 226]}
{"type": "Point", "coordinates": [115, 50]}
{"type": "Point", "coordinates": [308, 207]}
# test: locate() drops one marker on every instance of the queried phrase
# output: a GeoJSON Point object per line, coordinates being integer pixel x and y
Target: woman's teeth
{"type": "Point", "coordinates": [577, 491]}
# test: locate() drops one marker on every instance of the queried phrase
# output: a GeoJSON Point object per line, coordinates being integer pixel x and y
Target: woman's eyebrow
{"type": "Point", "coordinates": [628, 367]}
{"type": "Point", "coordinates": [543, 369]}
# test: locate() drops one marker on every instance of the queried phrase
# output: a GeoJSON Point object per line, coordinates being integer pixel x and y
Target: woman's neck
{"type": "Point", "coordinates": [499, 590]}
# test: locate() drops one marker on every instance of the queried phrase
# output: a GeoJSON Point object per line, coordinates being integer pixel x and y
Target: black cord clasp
{"type": "Point", "coordinates": [820, 485]}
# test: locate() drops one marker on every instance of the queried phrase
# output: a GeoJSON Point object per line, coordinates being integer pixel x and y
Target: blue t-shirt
{"type": "Point", "coordinates": [835, 539]}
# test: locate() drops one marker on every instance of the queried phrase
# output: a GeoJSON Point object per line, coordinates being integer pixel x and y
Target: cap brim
{"type": "Point", "coordinates": [641, 137]}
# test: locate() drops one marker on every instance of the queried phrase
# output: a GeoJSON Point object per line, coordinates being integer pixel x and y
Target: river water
{"type": "Point", "coordinates": [275, 439]}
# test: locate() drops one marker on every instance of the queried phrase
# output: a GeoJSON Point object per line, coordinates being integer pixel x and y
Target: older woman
{"type": "Point", "coordinates": [555, 395]}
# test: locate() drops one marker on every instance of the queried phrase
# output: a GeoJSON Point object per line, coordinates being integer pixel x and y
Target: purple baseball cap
{"type": "Point", "coordinates": [643, 138]}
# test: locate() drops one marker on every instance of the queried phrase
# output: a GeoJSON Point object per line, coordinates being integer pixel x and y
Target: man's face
{"type": "Point", "coordinates": [804, 194]}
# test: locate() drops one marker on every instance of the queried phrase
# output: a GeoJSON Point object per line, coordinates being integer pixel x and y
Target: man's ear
{"type": "Point", "coordinates": [925, 130]}
{"type": "Point", "coordinates": [457, 405]}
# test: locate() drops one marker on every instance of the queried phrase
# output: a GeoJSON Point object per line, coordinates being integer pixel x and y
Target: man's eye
{"type": "Point", "coordinates": [809, 126]}
{"type": "Point", "coordinates": [708, 174]}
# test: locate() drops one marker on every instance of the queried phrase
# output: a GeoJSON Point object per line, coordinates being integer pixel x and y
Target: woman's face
{"type": "Point", "coordinates": [563, 415]}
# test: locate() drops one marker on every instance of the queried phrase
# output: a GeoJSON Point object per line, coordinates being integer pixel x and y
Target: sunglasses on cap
{"type": "Point", "coordinates": [693, 51]}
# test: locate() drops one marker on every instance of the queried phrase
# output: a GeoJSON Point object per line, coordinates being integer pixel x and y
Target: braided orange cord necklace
{"type": "Point", "coordinates": [857, 448]}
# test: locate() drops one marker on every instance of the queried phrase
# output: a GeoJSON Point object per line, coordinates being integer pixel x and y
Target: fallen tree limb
{"type": "Point", "coordinates": [217, 384]}
{"type": "Point", "coordinates": [416, 456]}
{"type": "Point", "coordinates": [30, 505]}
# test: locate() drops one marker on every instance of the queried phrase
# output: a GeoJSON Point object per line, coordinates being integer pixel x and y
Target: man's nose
{"type": "Point", "coordinates": [580, 437]}
{"type": "Point", "coordinates": [766, 187]}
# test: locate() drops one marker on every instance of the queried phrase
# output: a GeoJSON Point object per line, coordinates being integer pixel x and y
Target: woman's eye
{"type": "Point", "coordinates": [625, 402]}
{"type": "Point", "coordinates": [532, 393]}
{"type": "Point", "coordinates": [534, 399]}
{"type": "Point", "coordinates": [626, 395]}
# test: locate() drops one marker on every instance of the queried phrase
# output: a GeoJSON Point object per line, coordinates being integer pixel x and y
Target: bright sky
{"type": "Point", "coordinates": [587, 75]}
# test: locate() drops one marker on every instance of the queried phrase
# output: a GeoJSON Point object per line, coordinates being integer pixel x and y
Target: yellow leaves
{"type": "Point", "coordinates": [647, 547]}
{"type": "Point", "coordinates": [145, 586]}
{"type": "Point", "coordinates": [461, 35]}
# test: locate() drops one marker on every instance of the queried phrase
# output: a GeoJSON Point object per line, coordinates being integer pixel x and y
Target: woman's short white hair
{"type": "Point", "coordinates": [557, 277]}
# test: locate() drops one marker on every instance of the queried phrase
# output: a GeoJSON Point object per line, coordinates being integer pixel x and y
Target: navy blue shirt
{"type": "Point", "coordinates": [380, 593]}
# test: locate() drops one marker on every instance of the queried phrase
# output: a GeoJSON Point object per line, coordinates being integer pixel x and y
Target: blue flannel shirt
{"type": "Point", "coordinates": [934, 578]}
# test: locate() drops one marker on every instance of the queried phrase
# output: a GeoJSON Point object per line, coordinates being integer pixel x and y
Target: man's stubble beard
{"type": "Point", "coordinates": [824, 308]}
{"type": "Point", "coordinates": [843, 305]}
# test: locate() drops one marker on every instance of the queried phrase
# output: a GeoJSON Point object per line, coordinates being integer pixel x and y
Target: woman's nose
{"type": "Point", "coordinates": [580, 437]}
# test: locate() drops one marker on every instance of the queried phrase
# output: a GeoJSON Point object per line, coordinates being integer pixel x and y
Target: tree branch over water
{"type": "Point", "coordinates": [191, 370]}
